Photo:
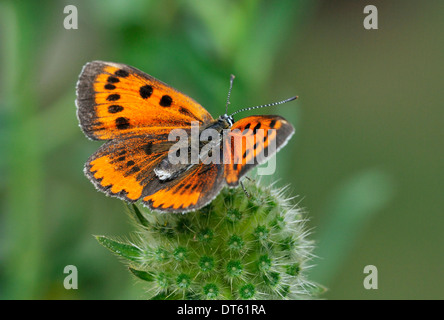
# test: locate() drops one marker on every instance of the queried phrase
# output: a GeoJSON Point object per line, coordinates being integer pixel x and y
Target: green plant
{"type": "Point", "coordinates": [237, 247]}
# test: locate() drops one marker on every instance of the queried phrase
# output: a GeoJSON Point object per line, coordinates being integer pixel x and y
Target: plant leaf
{"type": "Point", "coordinates": [138, 215]}
{"type": "Point", "coordinates": [143, 275]}
{"type": "Point", "coordinates": [123, 250]}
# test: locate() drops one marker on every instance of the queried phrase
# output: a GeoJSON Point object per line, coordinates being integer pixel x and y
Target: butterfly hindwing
{"type": "Point", "coordinates": [190, 191]}
{"type": "Point", "coordinates": [123, 167]}
{"type": "Point", "coordinates": [115, 100]}
{"type": "Point", "coordinates": [261, 137]}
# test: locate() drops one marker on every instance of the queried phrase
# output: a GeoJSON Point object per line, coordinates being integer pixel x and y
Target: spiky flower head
{"type": "Point", "coordinates": [237, 247]}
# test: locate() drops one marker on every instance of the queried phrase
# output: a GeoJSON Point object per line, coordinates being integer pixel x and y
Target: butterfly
{"type": "Point", "coordinates": [135, 114]}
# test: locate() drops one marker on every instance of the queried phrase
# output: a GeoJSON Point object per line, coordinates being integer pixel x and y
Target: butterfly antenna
{"type": "Point", "coordinates": [229, 93]}
{"type": "Point", "coordinates": [266, 105]}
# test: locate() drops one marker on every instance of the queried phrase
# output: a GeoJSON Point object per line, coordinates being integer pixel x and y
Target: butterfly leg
{"type": "Point", "coordinates": [245, 190]}
{"type": "Point", "coordinates": [249, 179]}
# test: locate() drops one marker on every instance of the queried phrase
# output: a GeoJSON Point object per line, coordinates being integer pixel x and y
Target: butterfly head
{"type": "Point", "coordinates": [226, 121]}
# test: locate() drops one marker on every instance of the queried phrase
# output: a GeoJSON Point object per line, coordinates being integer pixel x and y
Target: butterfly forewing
{"type": "Point", "coordinates": [252, 141]}
{"type": "Point", "coordinates": [115, 100]}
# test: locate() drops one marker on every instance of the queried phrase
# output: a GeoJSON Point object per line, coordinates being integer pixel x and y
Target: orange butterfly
{"type": "Point", "coordinates": [135, 113]}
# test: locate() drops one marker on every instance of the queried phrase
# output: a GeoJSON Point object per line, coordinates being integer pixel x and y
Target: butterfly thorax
{"type": "Point", "coordinates": [166, 170]}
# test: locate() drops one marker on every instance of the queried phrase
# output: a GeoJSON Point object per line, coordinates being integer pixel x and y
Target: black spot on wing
{"type": "Point", "coordinates": [134, 170]}
{"type": "Point", "coordinates": [186, 112]}
{"type": "Point", "coordinates": [112, 79]}
{"type": "Point", "coordinates": [256, 128]}
{"type": "Point", "coordinates": [166, 101]}
{"type": "Point", "coordinates": [115, 108]}
{"type": "Point", "coordinates": [113, 97]}
{"type": "Point", "coordinates": [121, 73]}
{"type": "Point", "coordinates": [148, 148]}
{"type": "Point", "coordinates": [122, 123]}
{"type": "Point", "coordinates": [146, 91]}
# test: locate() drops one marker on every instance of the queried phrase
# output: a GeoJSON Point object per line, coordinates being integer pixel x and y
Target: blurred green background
{"type": "Point", "coordinates": [366, 161]}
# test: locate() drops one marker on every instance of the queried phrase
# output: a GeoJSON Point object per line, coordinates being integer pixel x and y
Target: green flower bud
{"type": "Point", "coordinates": [237, 247]}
